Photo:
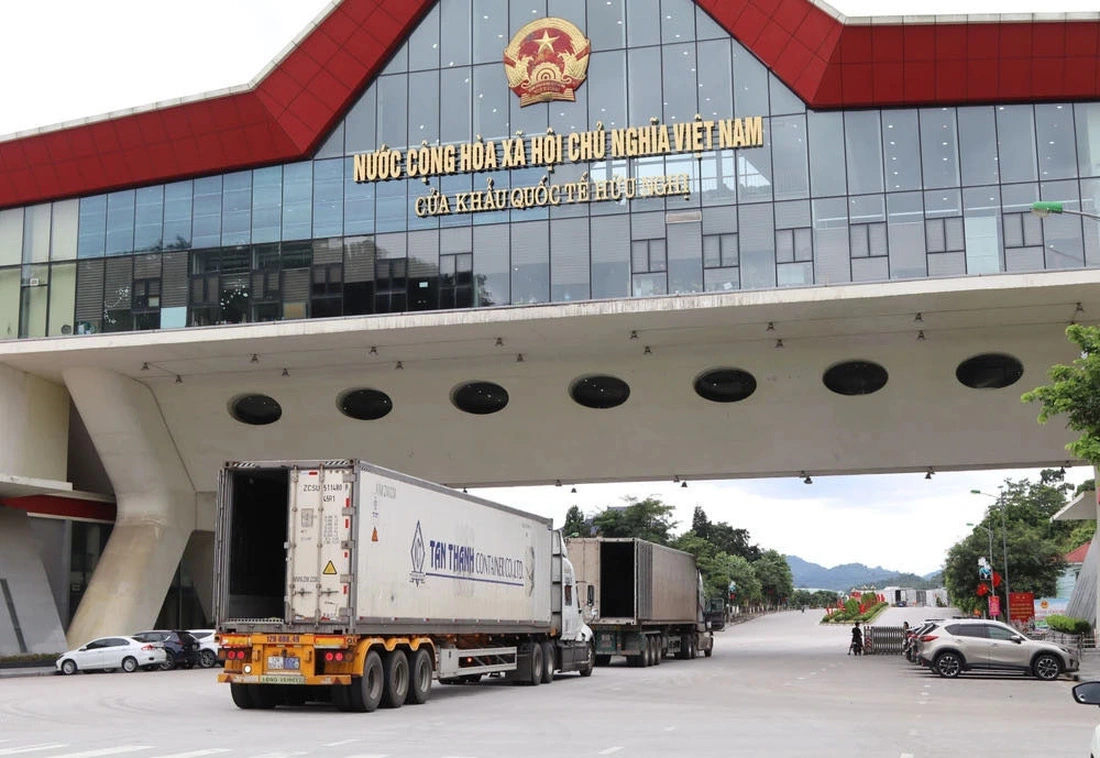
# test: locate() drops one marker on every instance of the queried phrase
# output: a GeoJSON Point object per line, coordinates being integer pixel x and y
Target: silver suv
{"type": "Point", "coordinates": [951, 647]}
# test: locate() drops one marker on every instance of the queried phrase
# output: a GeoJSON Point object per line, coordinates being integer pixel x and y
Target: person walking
{"type": "Point", "coordinates": [856, 648]}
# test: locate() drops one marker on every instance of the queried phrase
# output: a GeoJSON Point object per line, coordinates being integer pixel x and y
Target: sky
{"type": "Point", "coordinates": [70, 59]}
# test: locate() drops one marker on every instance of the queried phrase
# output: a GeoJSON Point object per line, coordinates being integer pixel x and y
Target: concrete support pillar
{"type": "Point", "coordinates": [29, 622]}
{"type": "Point", "coordinates": [199, 558]}
{"type": "Point", "coordinates": [155, 501]}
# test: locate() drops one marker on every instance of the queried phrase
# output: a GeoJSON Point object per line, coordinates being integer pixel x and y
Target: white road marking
{"type": "Point", "coordinates": [194, 753]}
{"type": "Point", "coordinates": [906, 755]}
{"type": "Point", "coordinates": [32, 748]}
{"type": "Point", "coordinates": [105, 751]}
{"type": "Point", "coordinates": [369, 755]}
{"type": "Point", "coordinates": [341, 742]}
{"type": "Point", "coordinates": [610, 750]}
{"type": "Point", "coordinates": [913, 732]}
{"type": "Point", "coordinates": [670, 728]}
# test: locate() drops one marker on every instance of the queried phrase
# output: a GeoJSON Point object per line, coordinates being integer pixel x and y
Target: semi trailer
{"type": "Point", "coordinates": [642, 600]}
{"type": "Point", "coordinates": [345, 582]}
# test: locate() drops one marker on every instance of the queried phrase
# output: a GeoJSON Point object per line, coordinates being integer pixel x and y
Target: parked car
{"type": "Point", "coordinates": [181, 648]}
{"type": "Point", "coordinates": [1088, 693]}
{"type": "Point", "coordinates": [962, 645]}
{"type": "Point", "coordinates": [208, 647]}
{"type": "Point", "coordinates": [110, 653]}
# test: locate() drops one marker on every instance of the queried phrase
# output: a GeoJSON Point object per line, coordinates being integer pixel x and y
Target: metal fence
{"type": "Point", "coordinates": [883, 640]}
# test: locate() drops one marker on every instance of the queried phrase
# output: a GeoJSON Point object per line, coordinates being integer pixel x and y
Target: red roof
{"type": "Point", "coordinates": [1077, 555]}
{"type": "Point", "coordinates": [283, 118]}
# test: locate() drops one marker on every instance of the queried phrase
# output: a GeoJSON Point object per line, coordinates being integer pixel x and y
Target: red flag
{"type": "Point", "coordinates": [982, 590]}
{"type": "Point", "coordinates": [996, 579]}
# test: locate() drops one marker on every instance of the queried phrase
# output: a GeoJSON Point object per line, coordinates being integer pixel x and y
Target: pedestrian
{"type": "Point", "coordinates": [856, 648]}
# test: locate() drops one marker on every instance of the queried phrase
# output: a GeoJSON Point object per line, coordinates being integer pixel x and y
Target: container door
{"type": "Point", "coordinates": [319, 552]}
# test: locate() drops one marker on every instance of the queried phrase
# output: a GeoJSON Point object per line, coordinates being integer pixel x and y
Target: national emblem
{"type": "Point", "coordinates": [547, 60]}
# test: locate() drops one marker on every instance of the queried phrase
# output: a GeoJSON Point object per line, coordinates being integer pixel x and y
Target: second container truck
{"type": "Point", "coordinates": [343, 581]}
{"type": "Point", "coordinates": [642, 600]}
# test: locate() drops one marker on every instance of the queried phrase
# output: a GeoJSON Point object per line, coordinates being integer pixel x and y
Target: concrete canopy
{"type": "Point", "coordinates": [924, 417]}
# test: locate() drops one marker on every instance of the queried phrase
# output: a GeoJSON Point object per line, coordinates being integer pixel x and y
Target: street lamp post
{"type": "Point", "coordinates": [990, 533]}
{"type": "Point", "coordinates": [1004, 540]}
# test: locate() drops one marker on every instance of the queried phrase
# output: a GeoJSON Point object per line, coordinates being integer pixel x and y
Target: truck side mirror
{"type": "Point", "coordinates": [591, 595]}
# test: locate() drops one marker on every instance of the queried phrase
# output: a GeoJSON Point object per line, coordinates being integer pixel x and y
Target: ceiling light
{"type": "Point", "coordinates": [918, 319]}
{"type": "Point", "coordinates": [373, 350]}
{"type": "Point", "coordinates": [519, 357]}
{"type": "Point", "coordinates": [805, 477]}
{"type": "Point", "coordinates": [179, 379]}
{"type": "Point", "coordinates": [557, 482]}
{"type": "Point", "coordinates": [779, 344]}
{"type": "Point", "coordinates": [145, 367]}
{"type": "Point", "coordinates": [500, 342]}
{"type": "Point", "coordinates": [400, 366]}
{"type": "Point", "coordinates": [675, 478]}
{"type": "Point", "coordinates": [255, 358]}
{"type": "Point", "coordinates": [633, 334]}
{"type": "Point", "coordinates": [920, 336]}
{"type": "Point", "coordinates": [928, 474]}
{"type": "Point", "coordinates": [647, 351]}
{"type": "Point", "coordinates": [771, 327]}
{"type": "Point", "coordinates": [684, 485]}
{"type": "Point", "coordinates": [573, 491]}
{"type": "Point", "coordinates": [285, 372]}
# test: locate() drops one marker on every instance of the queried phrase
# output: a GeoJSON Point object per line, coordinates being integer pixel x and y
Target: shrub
{"type": "Point", "coordinates": [1068, 624]}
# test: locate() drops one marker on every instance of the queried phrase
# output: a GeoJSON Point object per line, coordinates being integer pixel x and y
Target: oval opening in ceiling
{"type": "Point", "coordinates": [725, 385]}
{"type": "Point", "coordinates": [855, 378]}
{"type": "Point", "coordinates": [365, 404]}
{"type": "Point", "coordinates": [479, 398]}
{"type": "Point", "coordinates": [989, 371]}
{"type": "Point", "coordinates": [599, 391]}
{"type": "Point", "coordinates": [255, 410]}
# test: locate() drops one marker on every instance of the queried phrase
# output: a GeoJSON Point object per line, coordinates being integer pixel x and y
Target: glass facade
{"type": "Point", "coordinates": [829, 197]}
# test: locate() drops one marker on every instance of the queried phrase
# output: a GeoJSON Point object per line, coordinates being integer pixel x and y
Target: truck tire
{"type": "Point", "coordinates": [365, 693]}
{"type": "Point", "coordinates": [691, 647]}
{"type": "Point", "coordinates": [603, 660]}
{"type": "Point", "coordinates": [650, 652]}
{"type": "Point", "coordinates": [658, 650]}
{"type": "Point", "coordinates": [242, 696]}
{"type": "Point", "coordinates": [420, 677]}
{"type": "Point", "coordinates": [547, 662]}
{"type": "Point", "coordinates": [533, 675]}
{"type": "Point", "coordinates": [395, 677]}
{"type": "Point", "coordinates": [636, 661]}
{"type": "Point", "coordinates": [590, 661]}
{"type": "Point", "coordinates": [264, 696]}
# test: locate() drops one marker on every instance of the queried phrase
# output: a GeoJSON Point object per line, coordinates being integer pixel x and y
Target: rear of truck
{"type": "Point", "coordinates": [342, 581]}
{"type": "Point", "coordinates": [643, 601]}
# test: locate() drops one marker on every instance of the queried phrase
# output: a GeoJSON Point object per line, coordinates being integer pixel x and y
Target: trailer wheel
{"type": "Point", "coordinates": [395, 674]}
{"type": "Point", "coordinates": [603, 660]}
{"type": "Point", "coordinates": [685, 646]}
{"type": "Point", "coordinates": [264, 696]}
{"type": "Point", "coordinates": [691, 647]}
{"type": "Point", "coordinates": [365, 693]}
{"type": "Point", "coordinates": [420, 677]}
{"type": "Point", "coordinates": [547, 662]}
{"type": "Point", "coordinates": [340, 697]}
{"type": "Point", "coordinates": [658, 650]}
{"type": "Point", "coordinates": [590, 660]}
{"type": "Point", "coordinates": [533, 675]}
{"type": "Point", "coordinates": [242, 696]}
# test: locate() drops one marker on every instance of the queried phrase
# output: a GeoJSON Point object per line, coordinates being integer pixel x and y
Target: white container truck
{"type": "Point", "coordinates": [338, 580]}
{"type": "Point", "coordinates": [643, 600]}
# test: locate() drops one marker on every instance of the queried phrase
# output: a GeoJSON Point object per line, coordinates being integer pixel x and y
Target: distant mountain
{"type": "Point", "coordinates": [843, 578]}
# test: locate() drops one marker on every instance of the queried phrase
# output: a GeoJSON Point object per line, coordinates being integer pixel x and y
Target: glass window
{"type": "Point", "coordinates": [606, 87]}
{"type": "Point", "coordinates": [644, 71]}
{"type": "Point", "coordinates": [607, 25]}
{"type": "Point", "coordinates": [92, 230]}
{"type": "Point", "coordinates": [830, 230]}
{"type": "Point", "coordinates": [454, 46]}
{"type": "Point", "coordinates": [492, 280]}
{"type": "Point", "coordinates": [11, 237]}
{"type": "Point", "coordinates": [1065, 247]}
{"type": "Point", "coordinates": [490, 23]}
{"type": "Point", "coordinates": [297, 201]}
{"type": "Point", "coordinates": [677, 21]}
{"type": "Point", "coordinates": [177, 216]}
{"type": "Point", "coordinates": [360, 134]}
{"type": "Point", "coordinates": [863, 148]}
{"type": "Point", "coordinates": [569, 276]}
{"type": "Point", "coordinates": [34, 304]}
{"type": "Point", "coordinates": [328, 201]}
{"type": "Point", "coordinates": [64, 235]}
{"type": "Point", "coordinates": [36, 233]}
{"type": "Point", "coordinates": [706, 27]}
{"type": "Point", "coordinates": [267, 204]}
{"type": "Point", "coordinates": [237, 208]}
{"type": "Point", "coordinates": [750, 83]}
{"type": "Point", "coordinates": [491, 102]}
{"type": "Point", "coordinates": [610, 257]}
{"type": "Point", "coordinates": [391, 205]}
{"type": "Point", "coordinates": [333, 145]}
{"type": "Point", "coordinates": [826, 146]}
{"type": "Point", "coordinates": [685, 258]}
{"type": "Point", "coordinates": [424, 108]}
{"type": "Point", "coordinates": [754, 171]}
{"type": "Point", "coordinates": [905, 220]}
{"type": "Point", "coordinates": [681, 98]}
{"type": "Point", "coordinates": [530, 262]}
{"type": "Point", "coordinates": [977, 149]}
{"type": "Point", "coordinates": [62, 298]}
{"type": "Point", "coordinates": [939, 147]}
{"type": "Point", "coordinates": [1088, 138]}
{"type": "Point", "coordinates": [393, 110]}
{"type": "Point", "coordinates": [982, 211]}
{"type": "Point", "coordinates": [901, 149]}
{"type": "Point", "coordinates": [149, 218]}
{"type": "Point", "coordinates": [208, 212]}
{"type": "Point", "coordinates": [10, 300]}
{"type": "Point", "coordinates": [455, 101]}
{"type": "Point", "coordinates": [643, 23]}
{"type": "Point", "coordinates": [756, 238]}
{"type": "Point", "coordinates": [1016, 143]}
{"type": "Point", "coordinates": [424, 42]}
{"type": "Point", "coordinates": [783, 100]}
{"type": "Point", "coordinates": [1057, 142]}
{"type": "Point", "coordinates": [1090, 202]}
{"type": "Point", "coordinates": [715, 79]}
{"type": "Point", "coordinates": [120, 222]}
{"type": "Point", "coordinates": [792, 179]}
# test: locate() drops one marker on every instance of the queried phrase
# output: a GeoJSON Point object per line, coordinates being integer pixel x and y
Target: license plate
{"type": "Point", "coordinates": [276, 662]}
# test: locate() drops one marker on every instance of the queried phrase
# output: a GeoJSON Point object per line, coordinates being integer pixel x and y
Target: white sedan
{"type": "Point", "coordinates": [109, 653]}
{"type": "Point", "coordinates": [208, 646]}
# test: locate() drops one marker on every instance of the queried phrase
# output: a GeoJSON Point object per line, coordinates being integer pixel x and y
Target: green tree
{"type": "Point", "coordinates": [575, 523]}
{"type": "Point", "coordinates": [776, 584]}
{"type": "Point", "coordinates": [648, 519]}
{"type": "Point", "coordinates": [723, 536]}
{"type": "Point", "coordinates": [700, 524]}
{"type": "Point", "coordinates": [1074, 392]}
